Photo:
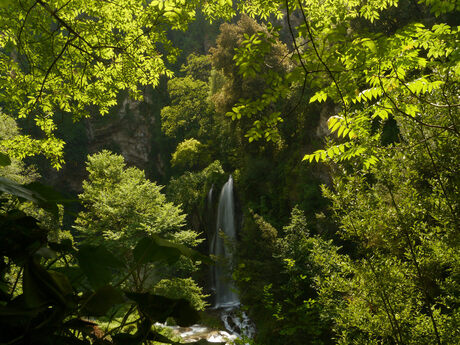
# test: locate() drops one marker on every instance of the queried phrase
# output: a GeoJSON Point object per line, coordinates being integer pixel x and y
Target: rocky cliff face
{"type": "Point", "coordinates": [126, 132]}
{"type": "Point", "coordinates": [131, 129]}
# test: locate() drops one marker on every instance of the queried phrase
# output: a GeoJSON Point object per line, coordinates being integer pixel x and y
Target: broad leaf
{"type": "Point", "coordinates": [159, 308]}
{"type": "Point", "coordinates": [148, 250]}
{"type": "Point", "coordinates": [99, 303]}
{"type": "Point", "coordinates": [98, 264]}
{"type": "Point", "coordinates": [155, 248]}
{"type": "Point", "coordinates": [32, 192]}
{"type": "Point", "coordinates": [42, 287]}
{"type": "Point", "coordinates": [185, 251]}
{"type": "Point", "coordinates": [4, 159]}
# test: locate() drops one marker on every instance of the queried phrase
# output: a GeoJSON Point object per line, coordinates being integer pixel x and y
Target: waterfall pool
{"type": "Point", "coordinates": [198, 332]}
{"type": "Point", "coordinates": [234, 320]}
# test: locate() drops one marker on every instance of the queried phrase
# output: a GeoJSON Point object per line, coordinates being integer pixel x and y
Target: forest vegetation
{"type": "Point", "coordinates": [339, 121]}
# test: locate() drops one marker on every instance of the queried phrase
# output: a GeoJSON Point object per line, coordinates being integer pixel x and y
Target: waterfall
{"type": "Point", "coordinates": [210, 230]}
{"type": "Point", "coordinates": [226, 296]}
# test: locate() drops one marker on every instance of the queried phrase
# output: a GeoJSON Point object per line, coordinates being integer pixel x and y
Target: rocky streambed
{"type": "Point", "coordinates": [235, 322]}
{"type": "Point", "coordinates": [200, 332]}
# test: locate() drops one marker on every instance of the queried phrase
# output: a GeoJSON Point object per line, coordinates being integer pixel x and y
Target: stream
{"type": "Point", "coordinates": [236, 323]}
{"type": "Point", "coordinates": [226, 300]}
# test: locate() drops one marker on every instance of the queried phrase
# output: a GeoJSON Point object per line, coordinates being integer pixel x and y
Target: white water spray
{"type": "Point", "coordinates": [236, 321]}
{"type": "Point", "coordinates": [225, 292]}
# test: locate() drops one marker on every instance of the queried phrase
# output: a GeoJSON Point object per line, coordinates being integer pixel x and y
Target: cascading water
{"type": "Point", "coordinates": [225, 294]}
{"type": "Point", "coordinates": [210, 230]}
{"type": "Point", "coordinates": [221, 236]}
{"type": "Point", "coordinates": [221, 240]}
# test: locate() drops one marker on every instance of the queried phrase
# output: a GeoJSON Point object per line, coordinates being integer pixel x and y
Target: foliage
{"type": "Point", "coordinates": [125, 212]}
{"type": "Point", "coordinates": [255, 269]}
{"type": "Point", "coordinates": [190, 154]}
{"type": "Point", "coordinates": [416, 82]}
{"type": "Point", "coordinates": [13, 169]}
{"type": "Point", "coordinates": [405, 226]}
{"type": "Point", "coordinates": [394, 195]}
{"type": "Point", "coordinates": [269, 189]}
{"type": "Point", "coordinates": [384, 73]}
{"type": "Point", "coordinates": [181, 119]}
{"type": "Point", "coordinates": [191, 188]}
{"type": "Point", "coordinates": [122, 206]}
{"type": "Point", "coordinates": [182, 288]}
{"type": "Point", "coordinates": [58, 286]}
{"type": "Point", "coordinates": [284, 272]}
{"type": "Point", "coordinates": [74, 55]}
{"type": "Point", "coordinates": [190, 114]}
{"type": "Point", "coordinates": [396, 124]}
{"type": "Point", "coordinates": [198, 67]}
{"type": "Point", "coordinates": [25, 174]}
{"type": "Point", "coordinates": [252, 60]}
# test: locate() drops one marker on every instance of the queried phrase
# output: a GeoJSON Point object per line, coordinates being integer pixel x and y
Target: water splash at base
{"type": "Point", "coordinates": [237, 322]}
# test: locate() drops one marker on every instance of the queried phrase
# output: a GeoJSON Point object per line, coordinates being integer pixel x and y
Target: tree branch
{"type": "Point", "coordinates": [23, 25]}
{"type": "Point", "coordinates": [49, 71]}
{"type": "Point", "coordinates": [396, 107]}
{"type": "Point", "coordinates": [415, 263]}
{"type": "Point", "coordinates": [310, 35]}
{"type": "Point", "coordinates": [62, 22]}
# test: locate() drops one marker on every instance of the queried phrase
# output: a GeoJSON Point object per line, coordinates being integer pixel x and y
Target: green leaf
{"type": "Point", "coordinates": [98, 264]}
{"type": "Point", "coordinates": [336, 150]}
{"type": "Point", "coordinates": [335, 127]}
{"type": "Point", "coordinates": [370, 45]}
{"type": "Point", "coordinates": [100, 302]}
{"type": "Point", "coordinates": [42, 287]}
{"type": "Point", "coordinates": [319, 96]}
{"type": "Point", "coordinates": [62, 282]}
{"type": "Point", "coordinates": [4, 159]}
{"type": "Point", "coordinates": [46, 192]}
{"type": "Point", "coordinates": [33, 192]}
{"type": "Point", "coordinates": [185, 251]}
{"type": "Point", "coordinates": [159, 308]}
{"type": "Point", "coordinates": [14, 188]}
{"type": "Point", "coordinates": [148, 250]}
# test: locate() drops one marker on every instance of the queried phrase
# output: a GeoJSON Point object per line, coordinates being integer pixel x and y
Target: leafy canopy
{"type": "Point", "coordinates": [74, 57]}
{"type": "Point", "coordinates": [122, 206]}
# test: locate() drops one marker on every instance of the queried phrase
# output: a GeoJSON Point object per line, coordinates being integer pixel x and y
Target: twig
{"type": "Point", "coordinates": [23, 25]}
{"type": "Point", "coordinates": [288, 16]}
{"type": "Point", "coordinates": [416, 264]}
{"type": "Point", "coordinates": [62, 22]}
{"type": "Point", "coordinates": [395, 106]}
{"type": "Point", "coordinates": [420, 98]}
{"type": "Point", "coordinates": [16, 282]}
{"type": "Point", "coordinates": [49, 70]}
{"type": "Point", "coordinates": [310, 34]}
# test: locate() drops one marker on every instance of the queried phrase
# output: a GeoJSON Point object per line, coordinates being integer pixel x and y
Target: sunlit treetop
{"type": "Point", "coordinates": [372, 59]}
{"type": "Point", "coordinates": [75, 55]}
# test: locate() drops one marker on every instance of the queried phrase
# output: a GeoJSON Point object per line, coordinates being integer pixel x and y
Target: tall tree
{"type": "Point", "coordinates": [393, 80]}
{"type": "Point", "coordinates": [122, 207]}
{"type": "Point", "coordinates": [76, 55]}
